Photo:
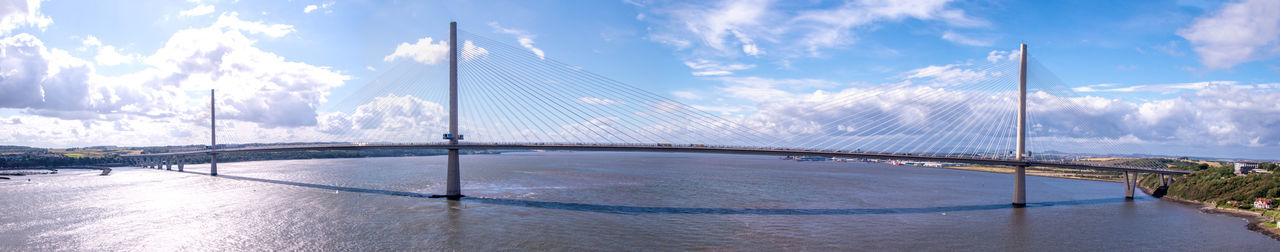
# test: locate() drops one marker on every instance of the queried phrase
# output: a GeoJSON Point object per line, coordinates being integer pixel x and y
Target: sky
{"type": "Point", "coordinates": [1199, 78]}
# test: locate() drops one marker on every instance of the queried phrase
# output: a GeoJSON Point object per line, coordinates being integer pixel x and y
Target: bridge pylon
{"type": "Point", "coordinates": [213, 137]}
{"type": "Point", "coordinates": [453, 186]}
{"type": "Point", "coordinates": [1020, 171]}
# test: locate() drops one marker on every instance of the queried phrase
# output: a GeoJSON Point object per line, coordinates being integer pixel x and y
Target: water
{"type": "Point", "coordinates": [592, 200]}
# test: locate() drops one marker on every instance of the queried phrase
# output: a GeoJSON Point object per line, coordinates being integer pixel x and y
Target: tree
{"type": "Point", "coordinates": [1268, 166]}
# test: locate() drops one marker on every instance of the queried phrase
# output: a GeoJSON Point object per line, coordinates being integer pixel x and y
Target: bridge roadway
{"type": "Point", "coordinates": [678, 148]}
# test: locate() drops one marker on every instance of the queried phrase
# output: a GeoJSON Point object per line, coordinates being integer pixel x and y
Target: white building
{"type": "Point", "coordinates": [1245, 168]}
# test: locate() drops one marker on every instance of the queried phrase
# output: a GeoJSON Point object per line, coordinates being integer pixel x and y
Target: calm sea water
{"type": "Point", "coordinates": [592, 201]}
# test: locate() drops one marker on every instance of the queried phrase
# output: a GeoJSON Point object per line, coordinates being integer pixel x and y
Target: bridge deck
{"type": "Point", "coordinates": [686, 149]}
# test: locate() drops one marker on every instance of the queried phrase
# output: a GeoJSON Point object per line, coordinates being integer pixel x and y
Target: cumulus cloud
{"type": "Point", "coordinates": [998, 55]}
{"type": "Point", "coordinates": [200, 10]}
{"type": "Point", "coordinates": [523, 37]}
{"type": "Point", "coordinates": [15, 14]}
{"type": "Point", "coordinates": [470, 51]}
{"type": "Point", "coordinates": [423, 51]}
{"type": "Point", "coordinates": [403, 117]}
{"type": "Point", "coordinates": [1236, 33]}
{"type": "Point", "coordinates": [256, 86]}
{"type": "Point", "coordinates": [107, 55]}
{"type": "Point", "coordinates": [36, 77]}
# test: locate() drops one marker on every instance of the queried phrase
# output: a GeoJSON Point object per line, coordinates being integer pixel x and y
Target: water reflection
{"type": "Point", "coordinates": [455, 207]}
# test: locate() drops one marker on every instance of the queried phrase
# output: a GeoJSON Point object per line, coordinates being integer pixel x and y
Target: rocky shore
{"type": "Point", "coordinates": [1256, 220]}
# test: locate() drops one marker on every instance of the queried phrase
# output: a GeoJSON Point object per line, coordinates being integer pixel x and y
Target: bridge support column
{"type": "Point", "coordinates": [168, 164]}
{"type": "Point", "coordinates": [453, 187]}
{"type": "Point", "coordinates": [1020, 172]}
{"type": "Point", "coordinates": [1020, 186]}
{"type": "Point", "coordinates": [213, 164]}
{"type": "Point", "coordinates": [180, 166]}
{"type": "Point", "coordinates": [1130, 181]}
{"type": "Point", "coordinates": [453, 183]}
{"type": "Point", "coordinates": [1164, 180]}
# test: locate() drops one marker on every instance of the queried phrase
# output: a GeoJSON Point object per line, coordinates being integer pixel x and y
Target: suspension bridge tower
{"type": "Point", "coordinates": [1020, 171]}
{"type": "Point", "coordinates": [453, 187]}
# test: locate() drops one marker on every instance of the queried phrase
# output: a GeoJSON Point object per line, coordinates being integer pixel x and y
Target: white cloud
{"type": "Point", "coordinates": [64, 102]}
{"type": "Point", "coordinates": [965, 40]}
{"type": "Point", "coordinates": [523, 37]}
{"type": "Point", "coordinates": [704, 67]}
{"type": "Point", "coordinates": [200, 10]}
{"type": "Point", "coordinates": [751, 49]}
{"type": "Point", "coordinates": [36, 77]}
{"type": "Point", "coordinates": [759, 89]}
{"type": "Point", "coordinates": [91, 41]}
{"type": "Point", "coordinates": [686, 95]}
{"type": "Point", "coordinates": [952, 75]}
{"type": "Point", "coordinates": [15, 14]}
{"type": "Point", "coordinates": [232, 21]}
{"type": "Point", "coordinates": [323, 6]}
{"type": "Point", "coordinates": [107, 55]}
{"type": "Point", "coordinates": [998, 55]}
{"type": "Point", "coordinates": [594, 100]}
{"type": "Point", "coordinates": [471, 51]}
{"type": "Point", "coordinates": [1170, 88]}
{"type": "Point", "coordinates": [1236, 33]}
{"type": "Point", "coordinates": [370, 68]}
{"type": "Point", "coordinates": [422, 51]}
{"type": "Point", "coordinates": [728, 29]}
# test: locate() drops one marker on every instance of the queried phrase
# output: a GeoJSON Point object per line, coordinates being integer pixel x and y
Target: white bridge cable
{"type": "Point", "coordinates": [593, 111]}
{"type": "Point", "coordinates": [1046, 80]}
{"type": "Point", "coordinates": [561, 106]}
{"type": "Point", "coordinates": [616, 87]}
{"type": "Point", "coordinates": [623, 97]}
{"type": "Point", "coordinates": [974, 110]}
{"type": "Point", "coordinates": [882, 130]}
{"type": "Point", "coordinates": [953, 109]}
{"type": "Point", "coordinates": [879, 133]}
{"type": "Point", "coordinates": [495, 107]}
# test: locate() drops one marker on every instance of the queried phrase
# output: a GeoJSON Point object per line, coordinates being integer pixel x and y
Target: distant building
{"type": "Point", "coordinates": [1261, 203]}
{"type": "Point", "coordinates": [1245, 168]}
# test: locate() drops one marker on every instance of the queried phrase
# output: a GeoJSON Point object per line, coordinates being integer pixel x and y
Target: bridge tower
{"type": "Point", "coordinates": [213, 137]}
{"type": "Point", "coordinates": [1020, 171]}
{"type": "Point", "coordinates": [453, 187]}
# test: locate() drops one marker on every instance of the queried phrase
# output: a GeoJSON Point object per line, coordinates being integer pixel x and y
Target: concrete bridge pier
{"type": "Point", "coordinates": [1130, 182]}
{"type": "Point", "coordinates": [213, 164]}
{"type": "Point", "coordinates": [1020, 186]}
{"type": "Point", "coordinates": [180, 166]}
{"type": "Point", "coordinates": [168, 164]}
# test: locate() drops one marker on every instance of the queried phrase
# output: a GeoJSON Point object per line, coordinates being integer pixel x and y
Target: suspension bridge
{"type": "Point", "coordinates": [516, 99]}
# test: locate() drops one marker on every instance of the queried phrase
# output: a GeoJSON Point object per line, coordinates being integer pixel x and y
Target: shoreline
{"type": "Point", "coordinates": [1256, 219]}
{"type": "Point", "coordinates": [1029, 173]}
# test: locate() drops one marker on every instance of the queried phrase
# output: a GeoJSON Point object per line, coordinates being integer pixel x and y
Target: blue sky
{"type": "Point", "coordinates": [1147, 60]}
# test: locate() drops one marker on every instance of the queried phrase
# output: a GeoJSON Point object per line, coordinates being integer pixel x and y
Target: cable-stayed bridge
{"type": "Point", "coordinates": [505, 97]}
